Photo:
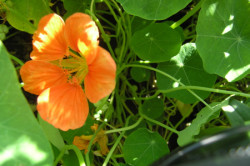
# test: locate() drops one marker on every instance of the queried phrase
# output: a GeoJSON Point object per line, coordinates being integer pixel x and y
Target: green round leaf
{"type": "Point", "coordinates": [140, 74]}
{"type": "Point", "coordinates": [223, 38]}
{"type": "Point", "coordinates": [153, 9]}
{"type": "Point", "coordinates": [156, 42]}
{"type": "Point", "coordinates": [187, 68]}
{"type": "Point", "coordinates": [139, 23]}
{"type": "Point", "coordinates": [143, 147]}
{"type": "Point", "coordinates": [25, 15]}
{"type": "Point", "coordinates": [153, 108]}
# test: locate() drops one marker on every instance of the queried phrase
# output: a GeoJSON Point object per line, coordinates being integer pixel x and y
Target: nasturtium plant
{"type": "Point", "coordinates": [119, 82]}
{"type": "Point", "coordinates": [156, 42]}
{"type": "Point", "coordinates": [225, 26]}
{"type": "Point", "coordinates": [153, 10]}
{"type": "Point", "coordinates": [187, 68]}
{"type": "Point", "coordinates": [143, 147]}
{"type": "Point", "coordinates": [22, 139]}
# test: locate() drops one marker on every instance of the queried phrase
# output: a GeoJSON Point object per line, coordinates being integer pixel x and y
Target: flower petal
{"type": "Point", "coordinates": [82, 35]}
{"type": "Point", "coordinates": [64, 106]}
{"type": "Point", "coordinates": [48, 41]}
{"type": "Point", "coordinates": [100, 80]}
{"type": "Point", "coordinates": [40, 75]}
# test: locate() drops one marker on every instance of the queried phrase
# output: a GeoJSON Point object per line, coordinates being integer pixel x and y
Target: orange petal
{"type": "Point", "coordinates": [48, 41]}
{"type": "Point", "coordinates": [100, 80]}
{"type": "Point", "coordinates": [40, 75]}
{"type": "Point", "coordinates": [64, 106]}
{"type": "Point", "coordinates": [82, 35]}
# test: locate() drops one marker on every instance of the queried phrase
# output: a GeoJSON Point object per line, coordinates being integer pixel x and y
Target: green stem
{"type": "Point", "coordinates": [75, 149]}
{"type": "Point", "coordinates": [104, 35]}
{"type": "Point", "coordinates": [193, 88]}
{"type": "Point", "coordinates": [113, 149]}
{"type": "Point", "coordinates": [115, 144]}
{"type": "Point", "coordinates": [91, 142]}
{"type": "Point", "coordinates": [187, 16]}
{"type": "Point", "coordinates": [16, 60]}
{"type": "Point", "coordinates": [125, 128]}
{"type": "Point", "coordinates": [159, 123]}
{"type": "Point", "coordinates": [166, 75]}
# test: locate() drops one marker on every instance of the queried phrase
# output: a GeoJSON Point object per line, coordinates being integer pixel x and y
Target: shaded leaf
{"type": "Point", "coordinates": [156, 42]}
{"type": "Point", "coordinates": [143, 147]}
{"type": "Point", "coordinates": [140, 74]}
{"type": "Point", "coordinates": [152, 108]}
{"type": "Point", "coordinates": [153, 10]}
{"type": "Point", "coordinates": [52, 134]}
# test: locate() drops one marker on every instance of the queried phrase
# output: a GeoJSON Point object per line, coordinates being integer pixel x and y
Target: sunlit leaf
{"type": "Point", "coordinates": [22, 139]}
{"type": "Point", "coordinates": [156, 42]}
{"type": "Point", "coordinates": [24, 15]}
{"type": "Point", "coordinates": [205, 115]}
{"type": "Point", "coordinates": [223, 38]}
{"type": "Point", "coordinates": [153, 9]}
{"type": "Point", "coordinates": [237, 113]}
{"type": "Point", "coordinates": [187, 68]}
{"type": "Point", "coordinates": [143, 147]}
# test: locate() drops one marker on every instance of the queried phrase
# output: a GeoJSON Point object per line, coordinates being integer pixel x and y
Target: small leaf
{"type": "Point", "coordinates": [52, 134]}
{"type": "Point", "coordinates": [204, 116]}
{"type": "Point", "coordinates": [153, 108]}
{"type": "Point", "coordinates": [143, 147]}
{"type": "Point", "coordinates": [185, 109]}
{"type": "Point", "coordinates": [85, 129]}
{"type": "Point", "coordinates": [153, 10]}
{"type": "Point", "coordinates": [187, 68]}
{"type": "Point", "coordinates": [156, 42]}
{"type": "Point", "coordinates": [237, 113]}
{"type": "Point", "coordinates": [22, 139]}
{"type": "Point", "coordinates": [223, 38]}
{"type": "Point", "coordinates": [140, 74]}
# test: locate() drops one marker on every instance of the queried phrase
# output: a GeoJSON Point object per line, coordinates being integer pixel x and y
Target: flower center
{"type": "Point", "coordinates": [75, 66]}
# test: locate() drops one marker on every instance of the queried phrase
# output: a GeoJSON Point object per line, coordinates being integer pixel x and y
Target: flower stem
{"type": "Point", "coordinates": [187, 16]}
{"type": "Point", "coordinates": [75, 149]}
{"type": "Point", "coordinates": [91, 142]}
{"type": "Point", "coordinates": [169, 76]}
{"type": "Point", "coordinates": [158, 123]}
{"type": "Point", "coordinates": [116, 143]}
{"type": "Point", "coordinates": [125, 128]}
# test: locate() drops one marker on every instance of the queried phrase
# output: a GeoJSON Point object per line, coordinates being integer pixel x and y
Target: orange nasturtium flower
{"type": "Point", "coordinates": [65, 57]}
